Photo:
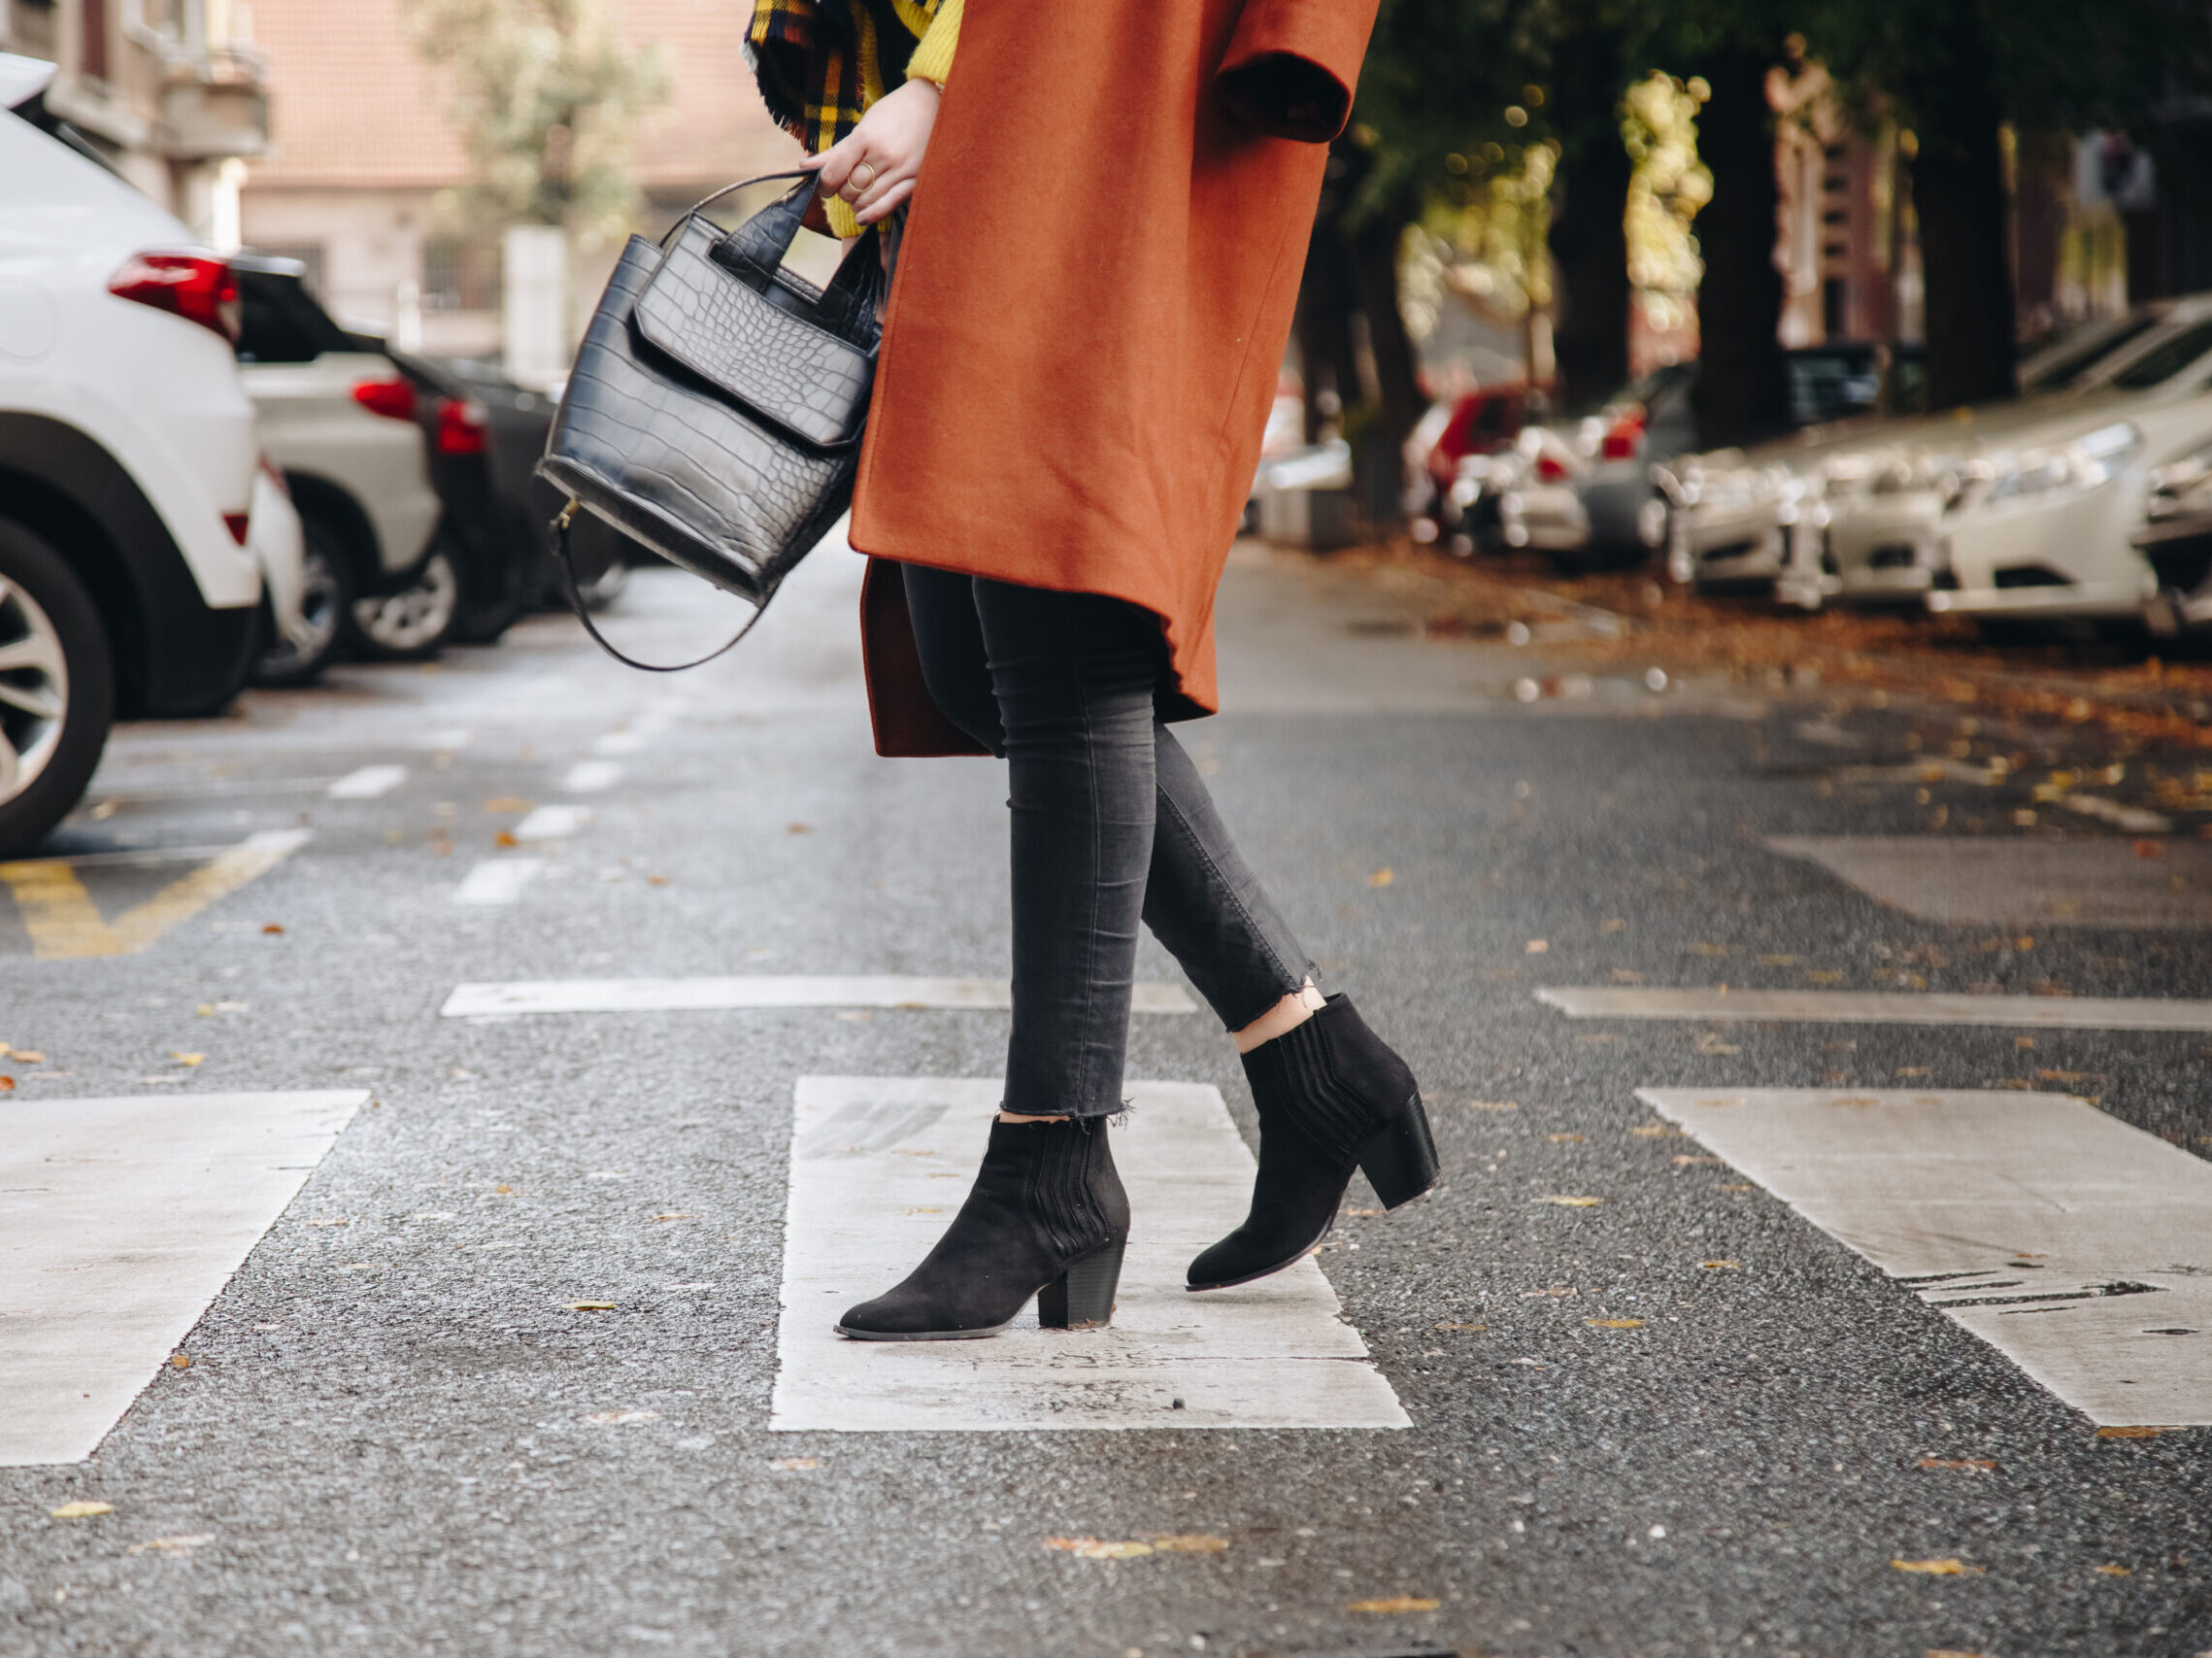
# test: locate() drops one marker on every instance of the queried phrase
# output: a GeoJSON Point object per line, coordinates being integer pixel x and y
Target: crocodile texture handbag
{"type": "Point", "coordinates": [716, 406]}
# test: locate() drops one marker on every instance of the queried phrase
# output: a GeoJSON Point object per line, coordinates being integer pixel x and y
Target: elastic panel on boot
{"type": "Point", "coordinates": [1312, 1093]}
{"type": "Point", "coordinates": [1059, 1188]}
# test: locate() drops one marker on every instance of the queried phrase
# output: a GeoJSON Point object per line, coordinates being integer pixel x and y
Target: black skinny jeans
{"type": "Point", "coordinates": [1111, 825]}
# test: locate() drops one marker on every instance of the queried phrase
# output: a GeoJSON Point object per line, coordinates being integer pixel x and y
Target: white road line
{"type": "Point", "coordinates": [2077, 1246]}
{"type": "Point", "coordinates": [553, 823]}
{"type": "Point", "coordinates": [866, 1205]}
{"type": "Point", "coordinates": [1881, 1007]}
{"type": "Point", "coordinates": [714, 995]}
{"type": "Point", "coordinates": [120, 1219]}
{"type": "Point", "coordinates": [368, 783]}
{"type": "Point", "coordinates": [2138, 820]}
{"type": "Point", "coordinates": [2008, 881]}
{"type": "Point", "coordinates": [591, 777]}
{"type": "Point", "coordinates": [498, 880]}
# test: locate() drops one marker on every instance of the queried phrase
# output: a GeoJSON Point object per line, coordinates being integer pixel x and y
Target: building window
{"type": "Point", "coordinates": [307, 254]}
{"type": "Point", "coordinates": [1834, 299]}
{"type": "Point", "coordinates": [460, 273]}
{"type": "Point", "coordinates": [93, 40]}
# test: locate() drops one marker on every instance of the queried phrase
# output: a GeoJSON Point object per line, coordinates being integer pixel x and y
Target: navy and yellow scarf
{"type": "Point", "coordinates": [822, 62]}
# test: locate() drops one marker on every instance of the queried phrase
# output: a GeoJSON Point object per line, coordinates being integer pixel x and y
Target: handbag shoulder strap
{"type": "Point", "coordinates": [583, 611]}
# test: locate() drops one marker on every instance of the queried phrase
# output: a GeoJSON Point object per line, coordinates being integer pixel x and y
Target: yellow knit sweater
{"type": "Point", "coordinates": [932, 60]}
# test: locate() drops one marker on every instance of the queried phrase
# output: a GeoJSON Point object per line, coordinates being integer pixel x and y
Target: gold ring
{"type": "Point", "coordinates": [853, 178]}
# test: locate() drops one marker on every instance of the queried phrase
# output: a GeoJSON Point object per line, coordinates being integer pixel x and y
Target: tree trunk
{"type": "Point", "coordinates": [1958, 198]}
{"type": "Point", "coordinates": [1742, 393]}
{"type": "Point", "coordinates": [1589, 236]}
{"type": "Point", "coordinates": [1374, 251]}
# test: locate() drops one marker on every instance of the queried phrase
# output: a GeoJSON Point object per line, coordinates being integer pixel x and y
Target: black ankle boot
{"type": "Point", "coordinates": [1332, 1097]}
{"type": "Point", "coordinates": [1047, 1217]}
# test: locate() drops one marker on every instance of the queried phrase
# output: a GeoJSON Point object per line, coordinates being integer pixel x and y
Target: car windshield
{"type": "Point", "coordinates": [280, 320]}
{"type": "Point", "coordinates": [2162, 362]}
{"type": "Point", "coordinates": [2072, 363]}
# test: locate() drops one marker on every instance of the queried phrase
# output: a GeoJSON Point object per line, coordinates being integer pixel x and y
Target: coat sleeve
{"type": "Point", "coordinates": [1292, 64]}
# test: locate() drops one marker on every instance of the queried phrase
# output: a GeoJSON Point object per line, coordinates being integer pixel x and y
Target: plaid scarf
{"type": "Point", "coordinates": [822, 62]}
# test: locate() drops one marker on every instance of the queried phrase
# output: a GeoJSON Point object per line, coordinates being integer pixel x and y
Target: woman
{"type": "Point", "coordinates": [1092, 294]}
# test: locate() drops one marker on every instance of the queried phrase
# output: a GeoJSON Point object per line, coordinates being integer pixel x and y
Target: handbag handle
{"type": "Point", "coordinates": [583, 611]}
{"type": "Point", "coordinates": [759, 246]}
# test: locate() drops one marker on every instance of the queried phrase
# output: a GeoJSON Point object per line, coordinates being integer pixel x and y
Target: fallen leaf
{"type": "Point", "coordinates": [2153, 850]}
{"type": "Point", "coordinates": [2130, 1432]}
{"type": "Point", "coordinates": [1613, 925]}
{"type": "Point", "coordinates": [921, 1212]}
{"type": "Point", "coordinates": [341, 1220]}
{"type": "Point", "coordinates": [1493, 1105]}
{"type": "Point", "coordinates": [673, 1215]}
{"type": "Point", "coordinates": [27, 1055]}
{"type": "Point", "coordinates": [1653, 1131]}
{"type": "Point", "coordinates": [1571, 1202]}
{"type": "Point", "coordinates": [1561, 1139]}
{"type": "Point", "coordinates": [657, 879]}
{"type": "Point", "coordinates": [1722, 1265]}
{"type": "Point", "coordinates": [1196, 1542]}
{"type": "Point", "coordinates": [1536, 946]}
{"type": "Point", "coordinates": [1781, 962]}
{"type": "Point", "coordinates": [508, 803]}
{"type": "Point", "coordinates": [1709, 949]}
{"type": "Point", "coordinates": [1709, 1042]}
{"type": "Point", "coordinates": [187, 1060]}
{"type": "Point", "coordinates": [272, 927]}
{"type": "Point", "coordinates": [80, 1510]}
{"type": "Point", "coordinates": [798, 829]}
{"type": "Point", "coordinates": [1395, 1604]}
{"type": "Point", "coordinates": [1937, 1568]}
{"type": "Point", "coordinates": [505, 838]}
{"type": "Point", "coordinates": [1739, 1188]}
{"type": "Point", "coordinates": [616, 1418]}
{"type": "Point", "coordinates": [173, 1545]}
{"type": "Point", "coordinates": [1382, 877]}
{"type": "Point", "coordinates": [1683, 1160]}
{"type": "Point", "coordinates": [7, 1084]}
{"type": "Point", "coordinates": [590, 1306]}
{"type": "Point", "coordinates": [1963, 1465]}
{"type": "Point", "coordinates": [1362, 1214]}
{"type": "Point", "coordinates": [1614, 1323]}
{"type": "Point", "coordinates": [180, 1361]}
{"type": "Point", "coordinates": [1090, 1548]}
{"type": "Point", "coordinates": [794, 1464]}
{"type": "Point", "coordinates": [2113, 1570]}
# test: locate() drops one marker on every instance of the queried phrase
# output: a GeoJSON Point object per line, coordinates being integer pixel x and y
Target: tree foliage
{"type": "Point", "coordinates": [549, 98]}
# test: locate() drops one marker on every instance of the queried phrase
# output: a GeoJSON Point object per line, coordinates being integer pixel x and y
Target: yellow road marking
{"type": "Point", "coordinates": [63, 922]}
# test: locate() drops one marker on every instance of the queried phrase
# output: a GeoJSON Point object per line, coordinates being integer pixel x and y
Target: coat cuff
{"type": "Point", "coordinates": [932, 58]}
{"type": "Point", "coordinates": [1293, 65]}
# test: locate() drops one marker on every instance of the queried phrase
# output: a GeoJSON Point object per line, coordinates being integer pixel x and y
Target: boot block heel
{"type": "Point", "coordinates": [1399, 1160]}
{"type": "Point", "coordinates": [1081, 1297]}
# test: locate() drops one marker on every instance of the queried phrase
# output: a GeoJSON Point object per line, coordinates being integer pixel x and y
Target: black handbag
{"type": "Point", "coordinates": [716, 406]}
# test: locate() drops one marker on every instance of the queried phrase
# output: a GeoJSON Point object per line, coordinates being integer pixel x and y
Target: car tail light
{"type": "Point", "coordinates": [238, 524]}
{"type": "Point", "coordinates": [462, 424]}
{"type": "Point", "coordinates": [1624, 437]}
{"type": "Point", "coordinates": [195, 287]}
{"type": "Point", "coordinates": [394, 399]}
{"type": "Point", "coordinates": [1550, 469]}
{"type": "Point", "coordinates": [276, 478]}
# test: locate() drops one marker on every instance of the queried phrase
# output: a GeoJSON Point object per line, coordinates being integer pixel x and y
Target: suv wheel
{"type": "Point", "coordinates": [326, 594]}
{"type": "Point", "coordinates": [57, 689]}
{"type": "Point", "coordinates": [412, 623]}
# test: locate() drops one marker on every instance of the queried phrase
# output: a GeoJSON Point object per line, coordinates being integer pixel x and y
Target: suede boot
{"type": "Point", "coordinates": [1332, 1097]}
{"type": "Point", "coordinates": [1047, 1217]}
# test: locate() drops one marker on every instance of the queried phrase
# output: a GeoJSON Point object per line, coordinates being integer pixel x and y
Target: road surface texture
{"type": "Point", "coordinates": [369, 1281]}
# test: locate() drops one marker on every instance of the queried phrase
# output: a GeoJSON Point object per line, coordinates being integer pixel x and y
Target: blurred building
{"type": "Point", "coordinates": [1850, 263]}
{"type": "Point", "coordinates": [171, 91]}
{"type": "Point", "coordinates": [366, 175]}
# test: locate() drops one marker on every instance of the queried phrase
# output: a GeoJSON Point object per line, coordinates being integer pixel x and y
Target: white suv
{"type": "Point", "coordinates": [137, 522]}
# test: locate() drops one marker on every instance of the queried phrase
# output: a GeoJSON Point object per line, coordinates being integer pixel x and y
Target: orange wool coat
{"type": "Point", "coordinates": [1092, 300]}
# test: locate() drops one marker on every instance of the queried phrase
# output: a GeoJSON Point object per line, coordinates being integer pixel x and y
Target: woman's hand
{"type": "Point", "coordinates": [873, 167]}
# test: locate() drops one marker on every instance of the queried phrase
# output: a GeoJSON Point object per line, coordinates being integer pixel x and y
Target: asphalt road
{"type": "Point", "coordinates": [393, 1433]}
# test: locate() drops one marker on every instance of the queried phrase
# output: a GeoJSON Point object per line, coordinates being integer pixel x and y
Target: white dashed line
{"type": "Point", "coordinates": [879, 1166]}
{"type": "Point", "coordinates": [498, 880]}
{"type": "Point", "coordinates": [2018, 881]}
{"type": "Point", "coordinates": [126, 1218]}
{"type": "Point", "coordinates": [591, 777]}
{"type": "Point", "coordinates": [1881, 1007]}
{"type": "Point", "coordinates": [2079, 1247]}
{"type": "Point", "coordinates": [711, 994]}
{"type": "Point", "coordinates": [368, 783]}
{"type": "Point", "coordinates": [553, 823]}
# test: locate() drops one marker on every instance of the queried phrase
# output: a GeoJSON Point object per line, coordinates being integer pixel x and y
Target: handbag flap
{"type": "Point", "coordinates": [775, 363]}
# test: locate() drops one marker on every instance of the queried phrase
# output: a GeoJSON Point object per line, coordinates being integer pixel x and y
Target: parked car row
{"type": "Point", "coordinates": [204, 479]}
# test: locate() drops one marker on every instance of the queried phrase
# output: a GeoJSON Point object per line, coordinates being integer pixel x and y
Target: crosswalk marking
{"type": "Point", "coordinates": [1718, 1004]}
{"type": "Point", "coordinates": [553, 823]}
{"type": "Point", "coordinates": [879, 1165]}
{"type": "Point", "coordinates": [65, 922]}
{"type": "Point", "coordinates": [2078, 1246]}
{"type": "Point", "coordinates": [369, 783]}
{"type": "Point", "coordinates": [2010, 881]}
{"type": "Point", "coordinates": [498, 880]}
{"type": "Point", "coordinates": [591, 777]}
{"type": "Point", "coordinates": [120, 1219]}
{"type": "Point", "coordinates": [764, 990]}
